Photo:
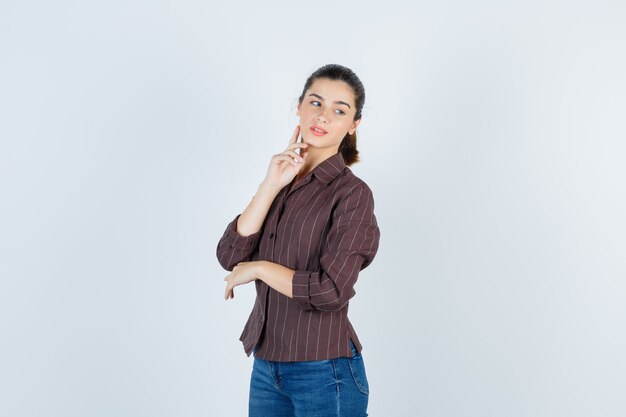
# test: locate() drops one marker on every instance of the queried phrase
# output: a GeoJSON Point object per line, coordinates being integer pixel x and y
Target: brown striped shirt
{"type": "Point", "coordinates": [325, 229]}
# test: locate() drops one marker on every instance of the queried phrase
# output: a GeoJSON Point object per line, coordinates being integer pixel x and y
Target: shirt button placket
{"type": "Point", "coordinates": [275, 226]}
{"type": "Point", "coordinates": [273, 244]}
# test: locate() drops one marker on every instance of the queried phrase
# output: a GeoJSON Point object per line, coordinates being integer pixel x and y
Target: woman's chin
{"type": "Point", "coordinates": [311, 139]}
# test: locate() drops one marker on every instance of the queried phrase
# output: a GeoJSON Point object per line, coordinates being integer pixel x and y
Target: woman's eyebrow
{"type": "Point", "coordinates": [337, 102]}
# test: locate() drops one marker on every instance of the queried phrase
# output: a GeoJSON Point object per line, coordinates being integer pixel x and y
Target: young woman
{"type": "Point", "coordinates": [302, 240]}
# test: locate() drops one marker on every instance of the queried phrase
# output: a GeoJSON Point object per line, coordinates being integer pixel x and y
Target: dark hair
{"type": "Point", "coordinates": [339, 72]}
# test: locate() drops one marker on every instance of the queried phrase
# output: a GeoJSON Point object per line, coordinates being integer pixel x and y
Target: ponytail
{"type": "Point", "coordinates": [348, 149]}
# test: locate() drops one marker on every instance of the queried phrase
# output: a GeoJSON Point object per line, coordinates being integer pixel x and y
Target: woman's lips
{"type": "Point", "coordinates": [317, 133]}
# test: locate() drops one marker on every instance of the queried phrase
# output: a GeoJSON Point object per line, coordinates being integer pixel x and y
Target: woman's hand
{"type": "Point", "coordinates": [242, 273]}
{"type": "Point", "coordinates": [286, 165]}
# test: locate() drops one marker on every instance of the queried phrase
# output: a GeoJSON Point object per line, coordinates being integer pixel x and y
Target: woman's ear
{"type": "Point", "coordinates": [353, 128]}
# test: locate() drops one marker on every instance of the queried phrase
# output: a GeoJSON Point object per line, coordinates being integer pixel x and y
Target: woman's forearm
{"type": "Point", "coordinates": [276, 276]}
{"type": "Point", "coordinates": [254, 215]}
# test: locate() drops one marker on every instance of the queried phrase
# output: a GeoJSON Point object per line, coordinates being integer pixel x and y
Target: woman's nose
{"type": "Point", "coordinates": [321, 117]}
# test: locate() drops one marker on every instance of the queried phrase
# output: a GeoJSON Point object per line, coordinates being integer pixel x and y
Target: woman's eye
{"type": "Point", "coordinates": [315, 103]}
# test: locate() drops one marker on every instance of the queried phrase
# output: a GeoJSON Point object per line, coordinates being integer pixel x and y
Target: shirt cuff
{"type": "Point", "coordinates": [237, 241]}
{"type": "Point", "coordinates": [300, 289]}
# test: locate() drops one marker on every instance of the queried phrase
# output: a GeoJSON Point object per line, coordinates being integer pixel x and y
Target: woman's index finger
{"type": "Point", "coordinates": [294, 137]}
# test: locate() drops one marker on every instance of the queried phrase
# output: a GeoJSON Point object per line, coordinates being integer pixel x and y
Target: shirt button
{"type": "Point", "coordinates": [272, 235]}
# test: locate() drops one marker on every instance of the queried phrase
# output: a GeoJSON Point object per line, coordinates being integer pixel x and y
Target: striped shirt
{"type": "Point", "coordinates": [325, 229]}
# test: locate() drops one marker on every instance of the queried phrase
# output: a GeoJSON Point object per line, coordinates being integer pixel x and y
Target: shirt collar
{"type": "Point", "coordinates": [330, 168]}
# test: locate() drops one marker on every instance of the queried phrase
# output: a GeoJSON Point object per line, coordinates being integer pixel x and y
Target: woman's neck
{"type": "Point", "coordinates": [313, 159]}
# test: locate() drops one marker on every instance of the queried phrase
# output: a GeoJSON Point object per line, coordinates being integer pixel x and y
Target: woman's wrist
{"type": "Point", "coordinates": [268, 188]}
{"type": "Point", "coordinates": [259, 269]}
{"type": "Point", "coordinates": [277, 276]}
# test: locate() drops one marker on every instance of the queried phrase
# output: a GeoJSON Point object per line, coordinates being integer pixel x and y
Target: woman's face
{"type": "Point", "coordinates": [328, 105]}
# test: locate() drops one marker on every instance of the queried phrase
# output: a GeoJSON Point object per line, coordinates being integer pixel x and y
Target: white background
{"type": "Point", "coordinates": [493, 140]}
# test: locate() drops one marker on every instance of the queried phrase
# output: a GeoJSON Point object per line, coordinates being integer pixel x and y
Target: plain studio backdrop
{"type": "Point", "coordinates": [493, 138]}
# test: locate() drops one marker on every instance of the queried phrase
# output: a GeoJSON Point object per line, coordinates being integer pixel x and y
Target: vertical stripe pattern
{"type": "Point", "coordinates": [324, 228]}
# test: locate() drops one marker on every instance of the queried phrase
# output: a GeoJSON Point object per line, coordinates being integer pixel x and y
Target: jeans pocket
{"type": "Point", "coordinates": [357, 368]}
{"type": "Point", "coordinates": [355, 354]}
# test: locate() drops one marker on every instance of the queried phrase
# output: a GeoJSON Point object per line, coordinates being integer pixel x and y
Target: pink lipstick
{"type": "Point", "coordinates": [318, 131]}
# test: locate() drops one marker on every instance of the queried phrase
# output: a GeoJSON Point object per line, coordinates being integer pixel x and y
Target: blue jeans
{"type": "Point", "coordinates": [334, 387]}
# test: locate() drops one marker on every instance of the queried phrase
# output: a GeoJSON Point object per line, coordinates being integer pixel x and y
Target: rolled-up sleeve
{"type": "Point", "coordinates": [353, 241]}
{"type": "Point", "coordinates": [233, 248]}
